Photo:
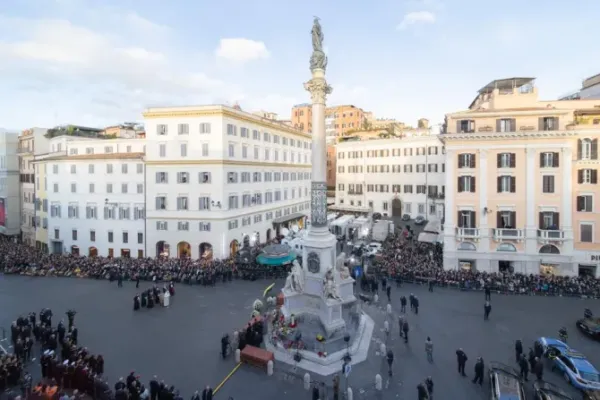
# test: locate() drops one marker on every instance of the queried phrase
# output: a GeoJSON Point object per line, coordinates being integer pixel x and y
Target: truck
{"type": "Point", "coordinates": [339, 226]}
{"type": "Point", "coordinates": [381, 230]}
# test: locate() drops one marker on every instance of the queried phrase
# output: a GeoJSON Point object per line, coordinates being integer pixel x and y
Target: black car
{"type": "Point", "coordinates": [505, 383]}
{"type": "Point", "coordinates": [589, 325]}
{"type": "Point", "coordinates": [547, 391]}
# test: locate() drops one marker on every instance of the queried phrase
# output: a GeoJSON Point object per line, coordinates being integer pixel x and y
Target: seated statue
{"type": "Point", "coordinates": [329, 287]}
{"type": "Point", "coordinates": [341, 267]}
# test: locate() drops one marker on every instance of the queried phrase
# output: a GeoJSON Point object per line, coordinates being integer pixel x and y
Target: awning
{"type": "Point", "coordinates": [289, 217]}
{"type": "Point", "coordinates": [264, 259]}
{"type": "Point", "coordinates": [350, 209]}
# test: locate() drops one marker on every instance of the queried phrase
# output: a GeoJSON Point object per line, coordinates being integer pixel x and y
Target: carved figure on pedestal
{"type": "Point", "coordinates": [329, 288]}
{"type": "Point", "coordinates": [341, 268]}
{"type": "Point", "coordinates": [295, 280]}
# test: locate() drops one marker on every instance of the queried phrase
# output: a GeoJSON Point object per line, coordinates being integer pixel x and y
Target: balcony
{"type": "Point", "coordinates": [356, 192]}
{"type": "Point", "coordinates": [24, 150]}
{"type": "Point", "coordinates": [467, 233]}
{"type": "Point", "coordinates": [501, 234]}
{"type": "Point", "coordinates": [436, 196]}
{"type": "Point", "coordinates": [546, 236]}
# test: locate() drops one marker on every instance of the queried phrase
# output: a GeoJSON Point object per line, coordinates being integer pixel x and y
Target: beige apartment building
{"type": "Point", "coordinates": [338, 119]}
{"type": "Point", "coordinates": [522, 188]}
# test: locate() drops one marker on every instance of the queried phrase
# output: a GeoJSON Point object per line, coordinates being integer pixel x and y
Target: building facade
{"type": "Point", "coordinates": [522, 183]}
{"type": "Point", "coordinates": [392, 176]}
{"type": "Point", "coordinates": [95, 196]}
{"type": "Point", "coordinates": [10, 203]}
{"type": "Point", "coordinates": [338, 119]}
{"type": "Point", "coordinates": [219, 178]}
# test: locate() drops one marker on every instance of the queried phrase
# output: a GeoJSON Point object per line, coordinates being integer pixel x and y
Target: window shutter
{"type": "Point", "coordinates": [580, 203]}
{"type": "Point", "coordinates": [157, 205]}
{"type": "Point", "coordinates": [594, 176]}
{"type": "Point", "coordinates": [498, 160]}
{"type": "Point", "coordinates": [499, 224]}
{"type": "Point", "coordinates": [513, 160]}
{"type": "Point", "coordinates": [513, 219]}
{"type": "Point", "coordinates": [513, 125]}
{"type": "Point", "coordinates": [460, 161]}
{"type": "Point", "coordinates": [513, 184]}
{"type": "Point", "coordinates": [105, 213]}
{"type": "Point", "coordinates": [473, 160]}
{"type": "Point", "coordinates": [473, 219]}
{"type": "Point", "coordinates": [87, 212]}
{"type": "Point", "coordinates": [541, 160]}
{"type": "Point", "coordinates": [541, 123]}
{"type": "Point", "coordinates": [499, 184]}
{"type": "Point", "coordinates": [461, 187]}
{"type": "Point", "coordinates": [498, 125]}
{"type": "Point", "coordinates": [594, 149]}
{"type": "Point", "coordinates": [579, 176]}
{"type": "Point", "coordinates": [556, 220]}
{"type": "Point", "coordinates": [458, 126]}
{"type": "Point", "coordinates": [157, 177]}
{"type": "Point", "coordinates": [555, 124]}
{"type": "Point", "coordinates": [555, 160]}
{"type": "Point", "coordinates": [459, 219]}
{"type": "Point", "coordinates": [541, 220]}
{"type": "Point", "coordinates": [579, 148]}
{"type": "Point", "coordinates": [473, 189]}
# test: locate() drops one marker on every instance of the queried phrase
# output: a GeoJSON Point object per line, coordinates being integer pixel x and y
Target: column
{"type": "Point", "coordinates": [319, 89]}
{"type": "Point", "coordinates": [530, 187]}
{"type": "Point", "coordinates": [566, 214]}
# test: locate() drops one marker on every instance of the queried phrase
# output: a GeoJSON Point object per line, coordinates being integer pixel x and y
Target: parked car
{"type": "Point", "coordinates": [420, 220]}
{"type": "Point", "coordinates": [589, 325]}
{"type": "Point", "coordinates": [373, 248]}
{"type": "Point", "coordinates": [547, 391]}
{"type": "Point", "coordinates": [573, 365]}
{"type": "Point", "coordinates": [376, 216]}
{"type": "Point", "coordinates": [406, 217]}
{"type": "Point", "coordinates": [505, 383]}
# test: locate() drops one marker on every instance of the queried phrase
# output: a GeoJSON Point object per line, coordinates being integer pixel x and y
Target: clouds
{"type": "Point", "coordinates": [241, 50]}
{"type": "Point", "coordinates": [416, 17]}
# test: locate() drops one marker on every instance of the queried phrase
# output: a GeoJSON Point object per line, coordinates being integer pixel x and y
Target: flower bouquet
{"type": "Point", "coordinates": [320, 338]}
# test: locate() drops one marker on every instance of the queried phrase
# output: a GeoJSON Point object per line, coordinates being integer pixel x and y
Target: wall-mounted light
{"type": "Point", "coordinates": [215, 204]}
{"type": "Point", "coordinates": [487, 210]}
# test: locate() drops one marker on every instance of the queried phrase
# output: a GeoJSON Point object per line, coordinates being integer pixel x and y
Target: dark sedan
{"type": "Point", "coordinates": [548, 391]}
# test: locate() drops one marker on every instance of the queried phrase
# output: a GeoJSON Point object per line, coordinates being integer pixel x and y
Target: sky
{"type": "Point", "coordinates": [101, 62]}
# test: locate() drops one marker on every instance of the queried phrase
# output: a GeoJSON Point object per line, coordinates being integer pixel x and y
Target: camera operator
{"type": "Point", "coordinates": [225, 344]}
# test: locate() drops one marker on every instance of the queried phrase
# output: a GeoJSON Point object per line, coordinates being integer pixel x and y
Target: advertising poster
{"type": "Point", "coordinates": [2, 212]}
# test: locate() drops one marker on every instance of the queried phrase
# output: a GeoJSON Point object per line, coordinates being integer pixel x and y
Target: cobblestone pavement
{"type": "Point", "coordinates": [181, 343]}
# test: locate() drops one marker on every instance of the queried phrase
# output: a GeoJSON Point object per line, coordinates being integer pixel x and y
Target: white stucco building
{"type": "Point", "coordinates": [392, 176]}
{"type": "Point", "coordinates": [95, 196]}
{"type": "Point", "coordinates": [10, 207]}
{"type": "Point", "coordinates": [218, 178]}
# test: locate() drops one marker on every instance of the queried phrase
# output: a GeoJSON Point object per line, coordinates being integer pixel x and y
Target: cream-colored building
{"type": "Point", "coordinates": [522, 183]}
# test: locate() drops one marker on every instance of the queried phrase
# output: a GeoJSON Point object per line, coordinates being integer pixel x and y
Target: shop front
{"type": "Point", "coordinates": [589, 264]}
{"type": "Point", "coordinates": [287, 221]}
{"type": "Point", "coordinates": [467, 265]}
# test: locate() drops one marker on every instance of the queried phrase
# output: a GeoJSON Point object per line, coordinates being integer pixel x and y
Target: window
{"type": "Point", "coordinates": [204, 177]}
{"type": "Point", "coordinates": [89, 150]}
{"type": "Point", "coordinates": [548, 160]}
{"type": "Point", "coordinates": [205, 128]}
{"type": "Point", "coordinates": [161, 202]}
{"type": "Point", "coordinates": [55, 187]}
{"type": "Point", "coordinates": [162, 150]}
{"type": "Point", "coordinates": [140, 188]}
{"type": "Point", "coordinates": [162, 177]}
{"type": "Point", "coordinates": [73, 188]}
{"type": "Point", "coordinates": [124, 168]}
{"type": "Point", "coordinates": [244, 132]}
{"type": "Point", "coordinates": [506, 184]}
{"type": "Point", "coordinates": [256, 152]}
{"type": "Point", "coordinates": [506, 125]}
{"type": "Point", "coordinates": [109, 188]}
{"type": "Point", "coordinates": [584, 203]}
{"type": "Point", "coordinates": [231, 130]}
{"type": "Point", "coordinates": [110, 237]}
{"type": "Point", "coordinates": [140, 168]}
{"type": "Point", "coordinates": [204, 203]}
{"type": "Point", "coordinates": [465, 126]}
{"type": "Point", "coordinates": [123, 187]}
{"type": "Point", "coordinates": [92, 236]}
{"type": "Point", "coordinates": [161, 129]}
{"type": "Point", "coordinates": [432, 167]}
{"type": "Point", "coordinates": [233, 224]}
{"type": "Point", "coordinates": [587, 149]}
{"type": "Point", "coordinates": [183, 129]}
{"type": "Point", "coordinates": [108, 149]}
{"type": "Point", "coordinates": [73, 169]}
{"type": "Point", "coordinates": [548, 123]}
{"type": "Point", "coordinates": [182, 203]}
{"type": "Point", "coordinates": [183, 149]}
{"type": "Point", "coordinates": [92, 188]}
{"type": "Point", "coordinates": [204, 149]}
{"type": "Point", "coordinates": [128, 149]}
{"type": "Point", "coordinates": [233, 201]}
{"type": "Point", "coordinates": [466, 160]}
{"type": "Point", "coordinates": [161, 225]}
{"type": "Point", "coordinates": [91, 169]}
{"type": "Point", "coordinates": [55, 169]}
{"type": "Point", "coordinates": [385, 206]}
{"type": "Point", "coordinates": [548, 184]}
{"type": "Point", "coordinates": [549, 220]}
{"type": "Point", "coordinates": [244, 151]}
{"type": "Point", "coordinates": [109, 168]}
{"type": "Point", "coordinates": [183, 177]}
{"type": "Point", "coordinates": [408, 188]}
{"type": "Point", "coordinates": [91, 212]}
{"type": "Point", "coordinates": [74, 234]}
{"type": "Point", "coordinates": [109, 212]}
{"type": "Point", "coordinates": [506, 160]}
{"type": "Point", "coordinates": [421, 208]}
{"type": "Point", "coordinates": [232, 177]}
{"type": "Point", "coordinates": [586, 232]}
{"type": "Point", "coordinates": [466, 184]}
{"type": "Point", "coordinates": [231, 150]}
{"type": "Point", "coordinates": [506, 220]}
{"type": "Point", "coordinates": [466, 219]}
{"type": "Point", "coordinates": [587, 176]}
{"type": "Point", "coordinates": [421, 189]}
{"type": "Point", "coordinates": [73, 211]}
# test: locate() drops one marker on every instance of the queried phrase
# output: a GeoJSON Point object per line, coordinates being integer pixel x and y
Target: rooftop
{"type": "Point", "coordinates": [505, 84]}
{"type": "Point", "coordinates": [74, 130]}
{"type": "Point", "coordinates": [105, 156]}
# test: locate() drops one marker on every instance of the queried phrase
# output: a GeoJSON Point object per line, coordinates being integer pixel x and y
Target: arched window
{"type": "Point", "coordinates": [467, 246]}
{"type": "Point", "coordinates": [506, 247]}
{"type": "Point", "coordinates": [549, 249]}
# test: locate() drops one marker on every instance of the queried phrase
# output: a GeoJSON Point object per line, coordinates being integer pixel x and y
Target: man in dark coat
{"type": "Point", "coordinates": [154, 388]}
{"type": "Point", "coordinates": [524, 365]}
{"type": "Point", "coordinates": [518, 350]}
{"type": "Point", "coordinates": [207, 393]}
{"type": "Point", "coordinates": [487, 309]}
{"type": "Point", "coordinates": [405, 330]}
{"type": "Point", "coordinates": [538, 369]}
{"type": "Point", "coordinates": [479, 369]}
{"type": "Point", "coordinates": [461, 358]}
{"type": "Point", "coordinates": [403, 304]}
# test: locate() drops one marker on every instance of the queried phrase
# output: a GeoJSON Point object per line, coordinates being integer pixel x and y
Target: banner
{"type": "Point", "coordinates": [2, 212]}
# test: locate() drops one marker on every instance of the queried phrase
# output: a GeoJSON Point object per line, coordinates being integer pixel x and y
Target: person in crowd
{"type": "Point", "coordinates": [416, 304]}
{"type": "Point", "coordinates": [388, 291]}
{"type": "Point", "coordinates": [429, 349]}
{"type": "Point", "coordinates": [487, 309]}
{"type": "Point", "coordinates": [422, 391]}
{"type": "Point", "coordinates": [403, 304]}
{"type": "Point", "coordinates": [461, 359]}
{"type": "Point", "coordinates": [71, 317]}
{"type": "Point", "coordinates": [524, 367]}
{"type": "Point", "coordinates": [401, 320]}
{"type": "Point", "coordinates": [429, 385]}
{"type": "Point", "coordinates": [207, 393]}
{"type": "Point", "coordinates": [405, 331]}
{"type": "Point", "coordinates": [488, 292]}
{"type": "Point", "coordinates": [390, 360]}
{"type": "Point", "coordinates": [538, 369]}
{"type": "Point", "coordinates": [136, 302]}
{"type": "Point", "coordinates": [479, 369]}
{"type": "Point", "coordinates": [518, 350]}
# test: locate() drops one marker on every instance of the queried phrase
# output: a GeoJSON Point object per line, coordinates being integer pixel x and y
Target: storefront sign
{"type": "Point", "coordinates": [595, 257]}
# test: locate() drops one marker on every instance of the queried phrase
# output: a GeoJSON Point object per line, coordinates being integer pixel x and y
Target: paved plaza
{"type": "Point", "coordinates": [181, 344]}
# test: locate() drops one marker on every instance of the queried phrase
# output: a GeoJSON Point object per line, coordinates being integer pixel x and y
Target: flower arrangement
{"type": "Point", "coordinates": [292, 321]}
{"type": "Point", "coordinates": [322, 354]}
{"type": "Point", "coordinates": [320, 338]}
